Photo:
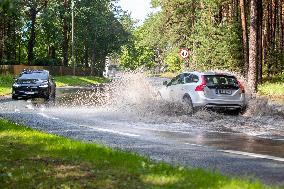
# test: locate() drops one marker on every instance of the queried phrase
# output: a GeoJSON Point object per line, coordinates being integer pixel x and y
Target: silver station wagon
{"type": "Point", "coordinates": [206, 90]}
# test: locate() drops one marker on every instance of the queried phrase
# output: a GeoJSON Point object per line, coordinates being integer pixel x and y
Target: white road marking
{"type": "Point", "coordinates": [195, 145]}
{"type": "Point", "coordinates": [46, 116]}
{"type": "Point", "coordinates": [30, 107]}
{"type": "Point", "coordinates": [111, 131]}
{"type": "Point", "coordinates": [117, 132]}
{"type": "Point", "coordinates": [253, 155]}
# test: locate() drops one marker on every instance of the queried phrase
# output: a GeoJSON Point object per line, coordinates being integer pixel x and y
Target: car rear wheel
{"type": "Point", "coordinates": [238, 111]}
{"type": "Point", "coordinates": [187, 104]}
{"type": "Point", "coordinates": [14, 97]}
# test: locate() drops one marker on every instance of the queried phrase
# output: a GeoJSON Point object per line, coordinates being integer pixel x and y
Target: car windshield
{"type": "Point", "coordinates": [34, 75]}
{"type": "Point", "coordinates": [220, 80]}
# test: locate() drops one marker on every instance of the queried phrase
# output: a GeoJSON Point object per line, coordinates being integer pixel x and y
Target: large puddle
{"type": "Point", "coordinates": [133, 99]}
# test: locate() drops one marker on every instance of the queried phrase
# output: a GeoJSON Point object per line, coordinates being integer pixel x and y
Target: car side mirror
{"type": "Point", "coordinates": [165, 83]}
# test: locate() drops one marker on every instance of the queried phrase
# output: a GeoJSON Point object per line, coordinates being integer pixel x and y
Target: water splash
{"type": "Point", "coordinates": [133, 99]}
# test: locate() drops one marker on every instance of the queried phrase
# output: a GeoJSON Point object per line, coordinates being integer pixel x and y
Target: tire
{"type": "Point", "coordinates": [52, 98]}
{"type": "Point", "coordinates": [235, 112]}
{"type": "Point", "coordinates": [238, 111]}
{"type": "Point", "coordinates": [14, 97]}
{"type": "Point", "coordinates": [187, 104]}
{"type": "Point", "coordinates": [243, 109]}
{"type": "Point", "coordinates": [47, 97]}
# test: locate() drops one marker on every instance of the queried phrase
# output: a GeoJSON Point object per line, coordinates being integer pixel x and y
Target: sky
{"type": "Point", "coordinates": [139, 8]}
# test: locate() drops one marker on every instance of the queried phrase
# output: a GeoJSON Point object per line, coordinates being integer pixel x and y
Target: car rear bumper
{"type": "Point", "coordinates": [221, 103]}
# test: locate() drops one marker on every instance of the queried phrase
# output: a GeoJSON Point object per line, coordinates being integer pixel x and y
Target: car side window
{"type": "Point", "coordinates": [174, 81]}
{"type": "Point", "coordinates": [195, 78]}
{"type": "Point", "coordinates": [191, 78]}
{"type": "Point", "coordinates": [187, 78]}
{"type": "Point", "coordinates": [180, 79]}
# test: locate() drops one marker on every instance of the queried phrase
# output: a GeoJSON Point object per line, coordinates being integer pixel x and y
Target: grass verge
{"type": "Point", "coordinates": [32, 159]}
{"type": "Point", "coordinates": [62, 81]}
{"type": "Point", "coordinates": [6, 82]}
{"type": "Point", "coordinates": [273, 88]}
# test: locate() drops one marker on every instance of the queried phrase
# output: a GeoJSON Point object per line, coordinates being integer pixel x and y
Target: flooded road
{"type": "Point", "coordinates": [130, 117]}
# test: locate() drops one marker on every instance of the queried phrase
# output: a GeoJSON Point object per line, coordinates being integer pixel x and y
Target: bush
{"type": "Point", "coordinates": [46, 62]}
{"type": "Point", "coordinates": [8, 62]}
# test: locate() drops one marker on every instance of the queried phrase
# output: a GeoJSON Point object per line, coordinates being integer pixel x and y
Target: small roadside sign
{"type": "Point", "coordinates": [184, 53]}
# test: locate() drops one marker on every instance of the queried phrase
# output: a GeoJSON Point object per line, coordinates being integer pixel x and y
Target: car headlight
{"type": "Point", "coordinates": [43, 86]}
{"type": "Point", "coordinates": [16, 85]}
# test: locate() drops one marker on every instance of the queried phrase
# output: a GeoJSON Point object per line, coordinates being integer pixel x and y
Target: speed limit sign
{"type": "Point", "coordinates": [184, 53]}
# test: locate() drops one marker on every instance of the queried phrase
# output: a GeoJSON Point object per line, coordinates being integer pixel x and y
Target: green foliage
{"type": "Point", "coordinates": [32, 159]}
{"type": "Point", "coordinates": [8, 62]}
{"type": "Point", "coordinates": [195, 25]}
{"type": "Point", "coordinates": [215, 45]}
{"type": "Point", "coordinates": [173, 62]}
{"type": "Point", "coordinates": [98, 31]}
{"type": "Point", "coordinates": [46, 62]}
{"type": "Point", "coordinates": [135, 54]}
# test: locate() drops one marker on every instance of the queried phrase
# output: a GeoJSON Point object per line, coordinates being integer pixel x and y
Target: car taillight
{"type": "Point", "coordinates": [202, 85]}
{"type": "Point", "coordinates": [241, 87]}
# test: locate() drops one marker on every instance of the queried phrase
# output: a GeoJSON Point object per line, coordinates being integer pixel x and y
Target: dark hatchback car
{"type": "Point", "coordinates": [34, 84]}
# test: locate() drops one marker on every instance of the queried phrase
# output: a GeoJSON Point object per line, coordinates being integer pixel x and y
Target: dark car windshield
{"type": "Point", "coordinates": [220, 80]}
{"type": "Point", "coordinates": [34, 75]}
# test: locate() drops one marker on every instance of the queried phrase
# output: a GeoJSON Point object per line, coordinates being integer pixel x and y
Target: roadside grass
{"type": "Point", "coordinates": [32, 159]}
{"type": "Point", "coordinates": [273, 88]}
{"type": "Point", "coordinates": [168, 75]}
{"type": "Point", "coordinates": [62, 81]}
{"type": "Point", "coordinates": [6, 82]}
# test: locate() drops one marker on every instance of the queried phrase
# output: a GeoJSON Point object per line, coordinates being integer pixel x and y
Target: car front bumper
{"type": "Point", "coordinates": [30, 92]}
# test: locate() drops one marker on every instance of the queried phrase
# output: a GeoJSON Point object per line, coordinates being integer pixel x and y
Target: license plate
{"type": "Point", "coordinates": [224, 91]}
{"type": "Point", "coordinates": [29, 93]}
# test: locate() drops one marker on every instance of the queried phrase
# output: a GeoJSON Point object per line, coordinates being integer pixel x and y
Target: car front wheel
{"type": "Point", "coordinates": [14, 97]}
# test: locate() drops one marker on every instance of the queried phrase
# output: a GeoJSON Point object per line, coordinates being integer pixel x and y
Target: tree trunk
{"type": "Point", "coordinates": [94, 58]}
{"type": "Point", "coordinates": [65, 35]}
{"type": "Point", "coordinates": [259, 41]}
{"type": "Point", "coordinates": [19, 52]}
{"type": "Point", "coordinates": [269, 36]}
{"type": "Point", "coordinates": [252, 72]}
{"type": "Point", "coordinates": [86, 56]}
{"type": "Point", "coordinates": [245, 37]}
{"type": "Point", "coordinates": [31, 44]}
{"type": "Point", "coordinates": [2, 36]}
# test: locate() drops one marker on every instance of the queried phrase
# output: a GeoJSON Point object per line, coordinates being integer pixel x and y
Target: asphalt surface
{"type": "Point", "coordinates": [235, 145]}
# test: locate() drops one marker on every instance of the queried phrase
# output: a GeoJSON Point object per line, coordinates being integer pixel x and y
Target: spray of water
{"type": "Point", "coordinates": [133, 98]}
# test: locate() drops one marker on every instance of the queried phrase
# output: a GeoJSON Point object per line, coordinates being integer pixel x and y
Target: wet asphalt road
{"type": "Point", "coordinates": [231, 151]}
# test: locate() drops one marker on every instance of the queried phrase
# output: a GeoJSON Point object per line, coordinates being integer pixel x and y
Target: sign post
{"type": "Point", "coordinates": [184, 54]}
